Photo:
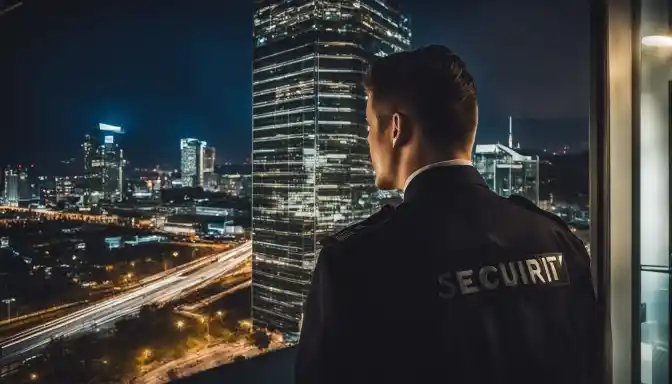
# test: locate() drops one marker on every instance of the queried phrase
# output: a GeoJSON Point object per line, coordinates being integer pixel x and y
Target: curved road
{"type": "Point", "coordinates": [159, 288]}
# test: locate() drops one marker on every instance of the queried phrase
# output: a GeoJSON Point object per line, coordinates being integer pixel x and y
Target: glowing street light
{"type": "Point", "coordinates": [9, 302]}
{"type": "Point", "coordinates": [206, 320]}
{"type": "Point", "coordinates": [33, 376]}
{"type": "Point", "coordinates": [179, 324]}
{"type": "Point", "coordinates": [657, 41]}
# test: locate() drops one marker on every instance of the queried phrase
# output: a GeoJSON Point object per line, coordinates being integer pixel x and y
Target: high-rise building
{"type": "Point", "coordinates": [192, 156]}
{"type": "Point", "coordinates": [11, 187]}
{"type": "Point", "coordinates": [89, 147]}
{"type": "Point", "coordinates": [25, 193]}
{"type": "Point", "coordinates": [112, 161]}
{"type": "Point", "coordinates": [104, 165]}
{"type": "Point", "coordinates": [208, 159]}
{"type": "Point", "coordinates": [311, 167]}
{"type": "Point", "coordinates": [93, 168]}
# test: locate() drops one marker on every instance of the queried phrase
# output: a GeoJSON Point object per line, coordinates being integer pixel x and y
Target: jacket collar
{"type": "Point", "coordinates": [441, 179]}
{"type": "Point", "coordinates": [446, 163]}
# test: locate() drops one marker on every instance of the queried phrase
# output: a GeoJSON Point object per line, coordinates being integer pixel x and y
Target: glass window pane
{"type": "Point", "coordinates": [655, 327]}
{"type": "Point", "coordinates": [654, 123]}
{"type": "Point", "coordinates": [655, 76]}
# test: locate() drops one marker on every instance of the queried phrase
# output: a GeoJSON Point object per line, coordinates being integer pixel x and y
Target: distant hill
{"type": "Point", "coordinates": [568, 177]}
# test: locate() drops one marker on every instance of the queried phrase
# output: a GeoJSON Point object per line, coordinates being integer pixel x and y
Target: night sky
{"type": "Point", "coordinates": [167, 69]}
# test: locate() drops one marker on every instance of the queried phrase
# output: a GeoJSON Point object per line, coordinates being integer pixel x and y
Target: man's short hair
{"type": "Point", "coordinates": [432, 87]}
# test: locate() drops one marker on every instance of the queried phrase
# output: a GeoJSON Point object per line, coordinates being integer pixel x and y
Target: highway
{"type": "Point", "coordinates": [160, 288]}
{"type": "Point", "coordinates": [75, 216]}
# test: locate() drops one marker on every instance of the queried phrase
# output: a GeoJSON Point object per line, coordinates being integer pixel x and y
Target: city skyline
{"type": "Point", "coordinates": [169, 169]}
{"type": "Point", "coordinates": [207, 94]}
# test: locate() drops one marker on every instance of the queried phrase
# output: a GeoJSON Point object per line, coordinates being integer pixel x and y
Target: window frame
{"type": "Point", "coordinates": [614, 190]}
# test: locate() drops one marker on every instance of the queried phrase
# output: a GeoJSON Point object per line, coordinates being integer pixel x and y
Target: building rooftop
{"type": "Point", "coordinates": [500, 148]}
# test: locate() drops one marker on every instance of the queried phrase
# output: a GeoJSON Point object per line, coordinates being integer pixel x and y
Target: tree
{"type": "Point", "coordinates": [227, 335]}
{"type": "Point", "coordinates": [262, 340]}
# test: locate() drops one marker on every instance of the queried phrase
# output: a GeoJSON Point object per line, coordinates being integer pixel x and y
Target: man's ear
{"type": "Point", "coordinates": [400, 129]}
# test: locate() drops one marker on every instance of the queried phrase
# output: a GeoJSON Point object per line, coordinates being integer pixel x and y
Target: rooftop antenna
{"type": "Point", "coordinates": [510, 132]}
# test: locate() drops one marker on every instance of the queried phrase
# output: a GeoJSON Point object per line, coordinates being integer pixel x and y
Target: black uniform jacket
{"type": "Point", "coordinates": [455, 285]}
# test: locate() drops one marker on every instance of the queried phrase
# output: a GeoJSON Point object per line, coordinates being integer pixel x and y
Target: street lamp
{"type": "Point", "coordinates": [206, 320]}
{"type": "Point", "coordinates": [179, 324]}
{"type": "Point", "coordinates": [657, 41]}
{"type": "Point", "coordinates": [9, 302]}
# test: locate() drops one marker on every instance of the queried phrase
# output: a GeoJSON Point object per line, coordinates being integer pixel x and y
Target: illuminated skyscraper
{"type": "Point", "coordinates": [112, 160]}
{"type": "Point", "coordinates": [11, 187]}
{"type": "Point", "coordinates": [89, 147]}
{"type": "Point", "coordinates": [25, 191]}
{"type": "Point", "coordinates": [93, 169]}
{"type": "Point", "coordinates": [209, 159]}
{"type": "Point", "coordinates": [192, 151]}
{"type": "Point", "coordinates": [311, 168]}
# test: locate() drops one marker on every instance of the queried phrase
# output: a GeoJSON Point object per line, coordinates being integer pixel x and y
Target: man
{"type": "Point", "coordinates": [456, 284]}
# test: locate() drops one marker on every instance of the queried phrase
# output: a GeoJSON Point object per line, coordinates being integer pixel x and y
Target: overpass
{"type": "Point", "coordinates": [161, 288]}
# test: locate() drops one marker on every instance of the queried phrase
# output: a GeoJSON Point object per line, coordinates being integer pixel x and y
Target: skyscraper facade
{"type": "Point", "coordinates": [104, 165]}
{"type": "Point", "coordinates": [191, 163]}
{"type": "Point", "coordinates": [11, 187]}
{"type": "Point", "coordinates": [113, 169]}
{"type": "Point", "coordinates": [89, 147]}
{"type": "Point", "coordinates": [311, 167]}
{"type": "Point", "coordinates": [24, 187]}
{"type": "Point", "coordinates": [110, 163]}
{"type": "Point", "coordinates": [93, 169]}
{"type": "Point", "coordinates": [209, 159]}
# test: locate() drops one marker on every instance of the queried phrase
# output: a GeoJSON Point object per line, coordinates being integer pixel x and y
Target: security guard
{"type": "Point", "coordinates": [456, 284]}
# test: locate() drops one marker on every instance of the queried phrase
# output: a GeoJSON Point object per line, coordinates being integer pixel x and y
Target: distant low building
{"type": "Point", "coordinates": [236, 184]}
{"type": "Point", "coordinates": [507, 172]}
{"type": "Point", "coordinates": [225, 228]}
{"type": "Point", "coordinates": [211, 182]}
{"type": "Point", "coordinates": [185, 229]}
{"type": "Point", "coordinates": [64, 187]}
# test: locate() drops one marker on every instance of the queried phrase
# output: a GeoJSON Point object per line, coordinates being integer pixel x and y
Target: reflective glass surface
{"type": "Point", "coordinates": [311, 167]}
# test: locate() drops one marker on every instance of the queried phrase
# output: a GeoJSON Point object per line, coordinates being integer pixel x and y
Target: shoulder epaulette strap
{"type": "Point", "coordinates": [530, 206]}
{"type": "Point", "coordinates": [373, 221]}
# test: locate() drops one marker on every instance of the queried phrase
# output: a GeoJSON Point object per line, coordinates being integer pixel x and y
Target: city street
{"type": "Point", "coordinates": [160, 288]}
{"type": "Point", "coordinates": [201, 360]}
